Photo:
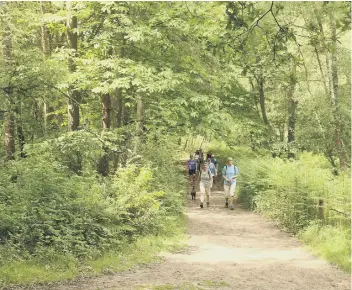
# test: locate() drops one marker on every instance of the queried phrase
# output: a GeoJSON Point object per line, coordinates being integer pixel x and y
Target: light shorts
{"type": "Point", "coordinates": [229, 190]}
{"type": "Point", "coordinates": [204, 189]}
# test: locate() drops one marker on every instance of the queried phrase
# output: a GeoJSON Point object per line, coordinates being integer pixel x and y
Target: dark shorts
{"type": "Point", "coordinates": [192, 171]}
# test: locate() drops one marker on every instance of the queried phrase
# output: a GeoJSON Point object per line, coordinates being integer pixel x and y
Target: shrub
{"type": "Point", "coordinates": [332, 243]}
{"type": "Point", "coordinates": [46, 209]}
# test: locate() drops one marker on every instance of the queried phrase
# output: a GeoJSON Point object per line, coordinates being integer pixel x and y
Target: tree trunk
{"type": "Point", "coordinates": [119, 104]}
{"type": "Point", "coordinates": [103, 164]}
{"type": "Point", "coordinates": [73, 102]}
{"type": "Point", "coordinates": [20, 133]}
{"type": "Point", "coordinates": [106, 104]}
{"type": "Point", "coordinates": [331, 63]}
{"type": "Point", "coordinates": [44, 32]}
{"type": "Point", "coordinates": [255, 98]}
{"type": "Point", "coordinates": [139, 120]}
{"type": "Point", "coordinates": [292, 105]}
{"type": "Point", "coordinates": [321, 71]}
{"type": "Point", "coordinates": [260, 82]}
{"type": "Point", "coordinates": [9, 117]}
{"type": "Point", "coordinates": [334, 88]}
{"type": "Point", "coordinates": [46, 48]}
{"type": "Point", "coordinates": [9, 135]}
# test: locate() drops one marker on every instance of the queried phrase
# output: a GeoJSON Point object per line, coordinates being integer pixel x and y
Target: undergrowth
{"type": "Point", "coordinates": [58, 222]}
{"type": "Point", "coordinates": [289, 192]}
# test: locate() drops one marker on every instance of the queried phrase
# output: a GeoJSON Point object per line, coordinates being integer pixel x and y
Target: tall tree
{"type": "Point", "coordinates": [9, 118]}
{"type": "Point", "coordinates": [74, 100]}
{"type": "Point", "coordinates": [292, 106]}
{"type": "Point", "coordinates": [139, 120]}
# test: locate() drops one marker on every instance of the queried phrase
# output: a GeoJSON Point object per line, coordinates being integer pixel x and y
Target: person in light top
{"type": "Point", "coordinates": [205, 181]}
{"type": "Point", "coordinates": [230, 173]}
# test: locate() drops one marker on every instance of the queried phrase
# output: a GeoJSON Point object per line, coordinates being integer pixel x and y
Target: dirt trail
{"type": "Point", "coordinates": [229, 250]}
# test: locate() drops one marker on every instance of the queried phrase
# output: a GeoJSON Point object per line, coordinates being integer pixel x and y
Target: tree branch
{"type": "Point", "coordinates": [257, 22]}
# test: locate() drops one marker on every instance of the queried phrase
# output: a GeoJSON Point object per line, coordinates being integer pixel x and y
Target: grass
{"type": "Point", "coordinates": [330, 243]}
{"type": "Point", "coordinates": [33, 271]}
{"type": "Point", "coordinates": [144, 250]}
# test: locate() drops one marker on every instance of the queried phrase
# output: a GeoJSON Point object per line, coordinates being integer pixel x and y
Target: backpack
{"type": "Point", "coordinates": [236, 169]}
{"type": "Point", "coordinates": [212, 168]}
{"type": "Point", "coordinates": [192, 165]}
{"type": "Point", "coordinates": [209, 173]}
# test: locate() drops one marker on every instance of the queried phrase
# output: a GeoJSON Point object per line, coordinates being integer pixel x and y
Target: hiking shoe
{"type": "Point", "coordinates": [232, 207]}
{"type": "Point", "coordinates": [201, 205]}
{"type": "Point", "coordinates": [207, 203]}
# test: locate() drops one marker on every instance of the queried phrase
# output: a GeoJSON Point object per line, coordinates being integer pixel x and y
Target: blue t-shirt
{"type": "Point", "coordinates": [230, 171]}
{"type": "Point", "coordinates": [212, 168]}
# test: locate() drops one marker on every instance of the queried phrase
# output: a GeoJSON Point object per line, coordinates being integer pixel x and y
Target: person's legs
{"type": "Point", "coordinates": [226, 193]}
{"type": "Point", "coordinates": [202, 193]}
{"type": "Point", "coordinates": [232, 194]}
{"type": "Point", "coordinates": [207, 192]}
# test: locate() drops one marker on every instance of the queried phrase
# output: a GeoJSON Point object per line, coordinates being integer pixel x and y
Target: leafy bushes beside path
{"type": "Point", "coordinates": [53, 220]}
{"type": "Point", "coordinates": [303, 196]}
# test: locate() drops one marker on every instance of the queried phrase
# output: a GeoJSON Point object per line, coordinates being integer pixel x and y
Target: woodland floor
{"type": "Point", "coordinates": [228, 249]}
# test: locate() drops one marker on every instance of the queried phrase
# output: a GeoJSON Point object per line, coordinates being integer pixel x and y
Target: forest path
{"type": "Point", "coordinates": [229, 250]}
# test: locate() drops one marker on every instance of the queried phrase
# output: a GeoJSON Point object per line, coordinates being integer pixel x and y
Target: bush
{"type": "Point", "coordinates": [45, 208]}
{"type": "Point", "coordinates": [288, 191]}
{"type": "Point", "coordinates": [332, 243]}
{"type": "Point", "coordinates": [50, 213]}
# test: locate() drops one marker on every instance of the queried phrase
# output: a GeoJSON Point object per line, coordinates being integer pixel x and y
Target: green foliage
{"type": "Point", "coordinates": [51, 216]}
{"type": "Point", "coordinates": [198, 69]}
{"type": "Point", "coordinates": [331, 243]}
{"type": "Point", "coordinates": [289, 191]}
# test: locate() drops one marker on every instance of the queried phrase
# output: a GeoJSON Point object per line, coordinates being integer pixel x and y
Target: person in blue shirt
{"type": "Point", "coordinates": [230, 173]}
{"type": "Point", "coordinates": [215, 162]}
{"type": "Point", "coordinates": [213, 171]}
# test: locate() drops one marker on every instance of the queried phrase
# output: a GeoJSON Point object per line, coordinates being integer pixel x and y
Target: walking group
{"type": "Point", "coordinates": [204, 172]}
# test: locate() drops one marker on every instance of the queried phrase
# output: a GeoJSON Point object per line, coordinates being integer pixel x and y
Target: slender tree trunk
{"type": "Point", "coordinates": [334, 88]}
{"type": "Point", "coordinates": [20, 134]}
{"type": "Point", "coordinates": [126, 112]}
{"type": "Point", "coordinates": [9, 117]}
{"type": "Point", "coordinates": [44, 36]}
{"type": "Point", "coordinates": [332, 72]}
{"type": "Point", "coordinates": [331, 61]}
{"type": "Point", "coordinates": [260, 81]}
{"type": "Point", "coordinates": [118, 98]}
{"type": "Point", "coordinates": [139, 120]}
{"type": "Point", "coordinates": [120, 105]}
{"type": "Point", "coordinates": [73, 102]}
{"type": "Point", "coordinates": [9, 135]}
{"type": "Point", "coordinates": [21, 140]}
{"type": "Point", "coordinates": [103, 164]}
{"type": "Point", "coordinates": [106, 104]}
{"type": "Point", "coordinates": [292, 106]}
{"type": "Point", "coordinates": [282, 132]}
{"type": "Point", "coordinates": [321, 71]}
{"type": "Point", "coordinates": [46, 48]}
{"type": "Point", "coordinates": [255, 98]}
